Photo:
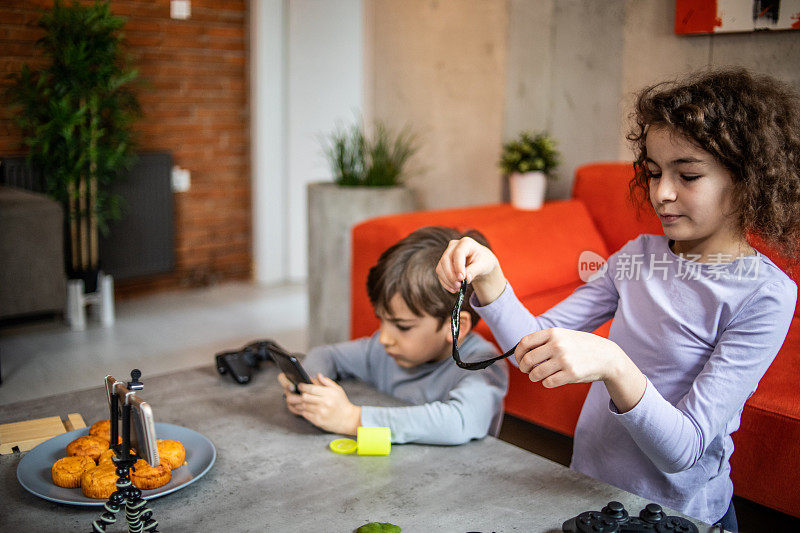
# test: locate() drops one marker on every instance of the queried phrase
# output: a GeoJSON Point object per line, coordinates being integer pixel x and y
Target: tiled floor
{"type": "Point", "coordinates": [184, 329]}
{"type": "Point", "coordinates": [158, 334]}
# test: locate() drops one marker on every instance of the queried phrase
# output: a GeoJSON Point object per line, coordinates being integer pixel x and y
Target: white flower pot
{"type": "Point", "coordinates": [527, 189]}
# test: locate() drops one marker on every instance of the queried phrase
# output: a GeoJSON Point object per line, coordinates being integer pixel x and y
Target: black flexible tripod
{"type": "Point", "coordinates": [139, 517]}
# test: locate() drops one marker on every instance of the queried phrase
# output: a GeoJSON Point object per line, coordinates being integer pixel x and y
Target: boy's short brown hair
{"type": "Point", "coordinates": [408, 268]}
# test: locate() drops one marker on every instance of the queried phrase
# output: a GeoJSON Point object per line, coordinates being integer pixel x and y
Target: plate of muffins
{"type": "Point", "coordinates": [76, 467]}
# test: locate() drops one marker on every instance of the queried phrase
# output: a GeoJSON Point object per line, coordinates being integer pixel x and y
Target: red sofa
{"type": "Point", "coordinates": [539, 252]}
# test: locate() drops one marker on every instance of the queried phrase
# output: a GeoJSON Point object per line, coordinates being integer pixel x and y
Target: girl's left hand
{"type": "Point", "coordinates": [558, 356]}
{"type": "Point", "coordinates": [325, 404]}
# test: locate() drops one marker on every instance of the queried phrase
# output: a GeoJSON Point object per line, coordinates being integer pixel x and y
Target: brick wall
{"type": "Point", "coordinates": [195, 103]}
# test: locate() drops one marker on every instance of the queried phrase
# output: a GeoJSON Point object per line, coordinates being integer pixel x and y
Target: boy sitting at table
{"type": "Point", "coordinates": [408, 357]}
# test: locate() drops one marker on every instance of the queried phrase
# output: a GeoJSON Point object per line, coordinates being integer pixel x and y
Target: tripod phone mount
{"type": "Point", "coordinates": [125, 410]}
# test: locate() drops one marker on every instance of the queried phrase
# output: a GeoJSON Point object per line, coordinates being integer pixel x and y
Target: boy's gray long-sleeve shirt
{"type": "Point", "coordinates": [450, 405]}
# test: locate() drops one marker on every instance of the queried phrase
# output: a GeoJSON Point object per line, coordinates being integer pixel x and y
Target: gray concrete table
{"type": "Point", "coordinates": [274, 471]}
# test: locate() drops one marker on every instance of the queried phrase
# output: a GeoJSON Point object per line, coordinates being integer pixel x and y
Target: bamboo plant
{"type": "Point", "coordinates": [76, 113]}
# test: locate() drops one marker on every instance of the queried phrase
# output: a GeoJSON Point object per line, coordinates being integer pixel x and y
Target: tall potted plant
{"type": "Point", "coordinates": [76, 113]}
{"type": "Point", "coordinates": [528, 161]}
{"type": "Point", "coordinates": [368, 171]}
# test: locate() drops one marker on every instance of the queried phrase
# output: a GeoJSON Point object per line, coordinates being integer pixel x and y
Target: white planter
{"type": "Point", "coordinates": [527, 189]}
{"type": "Point", "coordinates": [333, 210]}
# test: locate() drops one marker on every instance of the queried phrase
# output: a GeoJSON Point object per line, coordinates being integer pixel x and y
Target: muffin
{"type": "Point", "coordinates": [100, 481]}
{"type": "Point", "coordinates": [145, 476]}
{"type": "Point", "coordinates": [171, 453]}
{"type": "Point", "coordinates": [67, 471]}
{"type": "Point", "coordinates": [101, 429]}
{"type": "Point", "coordinates": [89, 445]}
{"type": "Point", "coordinates": [108, 456]}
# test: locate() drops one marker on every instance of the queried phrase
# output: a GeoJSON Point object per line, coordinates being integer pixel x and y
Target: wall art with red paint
{"type": "Point", "coordinates": [718, 16]}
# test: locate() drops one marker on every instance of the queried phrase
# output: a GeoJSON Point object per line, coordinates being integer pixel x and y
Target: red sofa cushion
{"type": "Point", "coordinates": [372, 237]}
{"type": "Point", "coordinates": [541, 255]}
{"type": "Point", "coordinates": [765, 461]}
{"type": "Point", "coordinates": [603, 187]}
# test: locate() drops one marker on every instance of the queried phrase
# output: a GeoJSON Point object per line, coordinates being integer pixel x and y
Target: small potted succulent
{"type": "Point", "coordinates": [528, 161]}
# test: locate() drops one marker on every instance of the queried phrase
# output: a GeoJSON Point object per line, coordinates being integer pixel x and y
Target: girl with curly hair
{"type": "Point", "coordinates": [702, 315]}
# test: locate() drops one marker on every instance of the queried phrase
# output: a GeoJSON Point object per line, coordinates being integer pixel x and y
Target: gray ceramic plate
{"type": "Point", "coordinates": [34, 470]}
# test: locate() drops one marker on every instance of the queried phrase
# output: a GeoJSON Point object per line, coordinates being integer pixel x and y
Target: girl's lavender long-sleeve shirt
{"type": "Point", "coordinates": [702, 333]}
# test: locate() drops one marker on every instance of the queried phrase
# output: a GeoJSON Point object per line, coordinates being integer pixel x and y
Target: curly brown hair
{"type": "Point", "coordinates": [750, 123]}
{"type": "Point", "coordinates": [408, 268]}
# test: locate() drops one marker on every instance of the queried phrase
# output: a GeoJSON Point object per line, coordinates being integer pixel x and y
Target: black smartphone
{"type": "Point", "coordinates": [291, 367]}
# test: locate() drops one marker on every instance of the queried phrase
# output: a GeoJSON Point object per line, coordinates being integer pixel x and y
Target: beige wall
{"type": "Point", "coordinates": [469, 74]}
{"type": "Point", "coordinates": [653, 52]}
{"type": "Point", "coordinates": [587, 67]}
{"type": "Point", "coordinates": [603, 52]}
{"type": "Point", "coordinates": [439, 66]}
{"type": "Point", "coordinates": [528, 67]}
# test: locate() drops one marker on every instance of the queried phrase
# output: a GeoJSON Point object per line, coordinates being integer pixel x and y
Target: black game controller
{"type": "Point", "coordinates": [240, 364]}
{"type": "Point", "coordinates": [615, 519]}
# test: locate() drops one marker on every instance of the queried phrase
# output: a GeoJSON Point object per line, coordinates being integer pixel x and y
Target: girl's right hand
{"type": "Point", "coordinates": [467, 259]}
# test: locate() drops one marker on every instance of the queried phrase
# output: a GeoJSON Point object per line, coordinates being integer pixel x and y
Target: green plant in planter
{"type": "Point", "coordinates": [76, 114]}
{"type": "Point", "coordinates": [528, 153]}
{"type": "Point", "coordinates": [359, 161]}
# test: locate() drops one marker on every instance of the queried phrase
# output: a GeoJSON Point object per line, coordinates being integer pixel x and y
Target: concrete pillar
{"type": "Point", "coordinates": [332, 213]}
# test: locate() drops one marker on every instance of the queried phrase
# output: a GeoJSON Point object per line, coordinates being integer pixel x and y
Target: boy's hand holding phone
{"type": "Point", "coordinates": [293, 400]}
{"type": "Point", "coordinates": [323, 403]}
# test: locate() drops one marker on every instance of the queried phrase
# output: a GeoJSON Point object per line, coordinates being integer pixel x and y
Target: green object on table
{"type": "Point", "coordinates": [378, 527]}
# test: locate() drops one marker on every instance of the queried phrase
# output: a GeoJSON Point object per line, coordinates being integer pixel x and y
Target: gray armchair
{"type": "Point", "coordinates": [32, 276]}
